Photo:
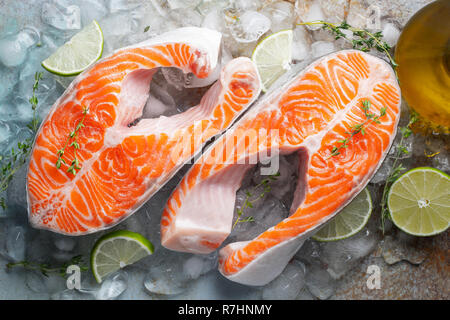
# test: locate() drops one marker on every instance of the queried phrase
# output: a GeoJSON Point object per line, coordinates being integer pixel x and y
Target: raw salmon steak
{"type": "Point", "coordinates": [124, 160]}
{"type": "Point", "coordinates": [311, 115]}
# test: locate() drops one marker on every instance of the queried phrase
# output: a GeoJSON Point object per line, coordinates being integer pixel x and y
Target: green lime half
{"type": "Point", "coordinates": [82, 50]}
{"type": "Point", "coordinates": [349, 221]}
{"type": "Point", "coordinates": [273, 56]}
{"type": "Point", "coordinates": [419, 201]}
{"type": "Point", "coordinates": [117, 250]}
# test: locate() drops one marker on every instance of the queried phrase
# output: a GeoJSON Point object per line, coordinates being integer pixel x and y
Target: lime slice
{"type": "Point", "coordinates": [78, 53]}
{"type": "Point", "coordinates": [349, 221]}
{"type": "Point", "coordinates": [419, 201]}
{"type": "Point", "coordinates": [273, 56]}
{"type": "Point", "coordinates": [117, 250]}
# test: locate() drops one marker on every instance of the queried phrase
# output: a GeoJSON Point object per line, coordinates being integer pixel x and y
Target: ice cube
{"type": "Point", "coordinates": [175, 77]}
{"type": "Point", "coordinates": [319, 282]}
{"type": "Point", "coordinates": [10, 131]}
{"type": "Point", "coordinates": [180, 80]}
{"type": "Point", "coordinates": [244, 5]}
{"type": "Point", "coordinates": [281, 186]}
{"type": "Point", "coordinates": [166, 274]}
{"type": "Point", "coordinates": [305, 295]}
{"type": "Point", "coordinates": [155, 24]}
{"type": "Point", "coordinates": [92, 10]}
{"type": "Point", "coordinates": [226, 56]}
{"type": "Point", "coordinates": [17, 194]}
{"type": "Point", "coordinates": [8, 79]}
{"type": "Point", "coordinates": [155, 108]}
{"type": "Point", "coordinates": [363, 15]}
{"type": "Point", "coordinates": [367, 14]}
{"type": "Point", "coordinates": [207, 6]}
{"type": "Point", "coordinates": [309, 12]}
{"type": "Point", "coordinates": [14, 48]}
{"type": "Point", "coordinates": [321, 48]}
{"type": "Point", "coordinates": [165, 104]}
{"type": "Point", "coordinates": [281, 14]}
{"type": "Point", "coordinates": [161, 7]}
{"type": "Point", "coordinates": [51, 283]}
{"type": "Point", "coordinates": [334, 11]}
{"type": "Point", "coordinates": [309, 253]}
{"type": "Point", "coordinates": [182, 4]}
{"type": "Point", "coordinates": [301, 45]}
{"type": "Point", "coordinates": [113, 286]}
{"type": "Point", "coordinates": [4, 131]}
{"type": "Point", "coordinates": [46, 94]}
{"type": "Point", "coordinates": [64, 243]}
{"type": "Point", "coordinates": [383, 172]}
{"type": "Point", "coordinates": [341, 256]}
{"type": "Point", "coordinates": [18, 133]}
{"type": "Point", "coordinates": [287, 285]}
{"type": "Point", "coordinates": [39, 247]}
{"type": "Point", "coordinates": [28, 36]}
{"type": "Point", "coordinates": [193, 267]}
{"type": "Point", "coordinates": [64, 82]}
{"type": "Point", "coordinates": [71, 294]}
{"type": "Point", "coordinates": [9, 23]}
{"type": "Point", "coordinates": [177, 86]}
{"type": "Point", "coordinates": [404, 149]}
{"type": "Point", "coordinates": [198, 265]}
{"type": "Point", "coordinates": [116, 27]}
{"type": "Point", "coordinates": [35, 281]}
{"type": "Point", "coordinates": [62, 18]}
{"type": "Point", "coordinates": [187, 17]}
{"type": "Point", "coordinates": [266, 211]}
{"type": "Point", "coordinates": [119, 24]}
{"type": "Point", "coordinates": [61, 256]}
{"type": "Point", "coordinates": [390, 34]}
{"type": "Point", "coordinates": [122, 5]}
{"type": "Point", "coordinates": [214, 20]}
{"type": "Point", "coordinates": [441, 161]}
{"type": "Point", "coordinates": [15, 243]}
{"type": "Point", "coordinates": [249, 26]}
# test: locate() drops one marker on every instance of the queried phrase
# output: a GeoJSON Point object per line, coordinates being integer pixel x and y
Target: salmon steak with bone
{"type": "Point", "coordinates": [123, 159]}
{"type": "Point", "coordinates": [339, 115]}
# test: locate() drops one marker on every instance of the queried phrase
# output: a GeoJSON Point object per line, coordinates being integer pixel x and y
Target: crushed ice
{"type": "Point", "coordinates": [315, 270]}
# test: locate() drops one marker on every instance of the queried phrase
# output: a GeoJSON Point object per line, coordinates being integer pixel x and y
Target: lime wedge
{"type": "Point", "coordinates": [78, 53]}
{"type": "Point", "coordinates": [419, 201]}
{"type": "Point", "coordinates": [273, 56]}
{"type": "Point", "coordinates": [117, 250]}
{"type": "Point", "coordinates": [349, 221]}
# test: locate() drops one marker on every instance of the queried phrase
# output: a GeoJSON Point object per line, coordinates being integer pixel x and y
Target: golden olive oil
{"type": "Point", "coordinates": [423, 56]}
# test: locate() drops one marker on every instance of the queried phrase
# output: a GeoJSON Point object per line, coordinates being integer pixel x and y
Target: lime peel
{"type": "Point", "coordinates": [419, 201]}
{"type": "Point", "coordinates": [116, 250]}
{"type": "Point", "coordinates": [273, 56]}
{"type": "Point", "coordinates": [352, 219]}
{"type": "Point", "coordinates": [77, 54]}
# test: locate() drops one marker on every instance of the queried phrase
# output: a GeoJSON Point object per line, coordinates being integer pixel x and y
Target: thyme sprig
{"type": "Point", "coordinates": [363, 40]}
{"type": "Point", "coordinates": [358, 128]}
{"type": "Point", "coordinates": [33, 125]}
{"type": "Point", "coordinates": [72, 142]}
{"type": "Point", "coordinates": [45, 269]}
{"type": "Point", "coordinates": [17, 157]}
{"type": "Point", "coordinates": [248, 202]}
{"type": "Point", "coordinates": [397, 168]}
